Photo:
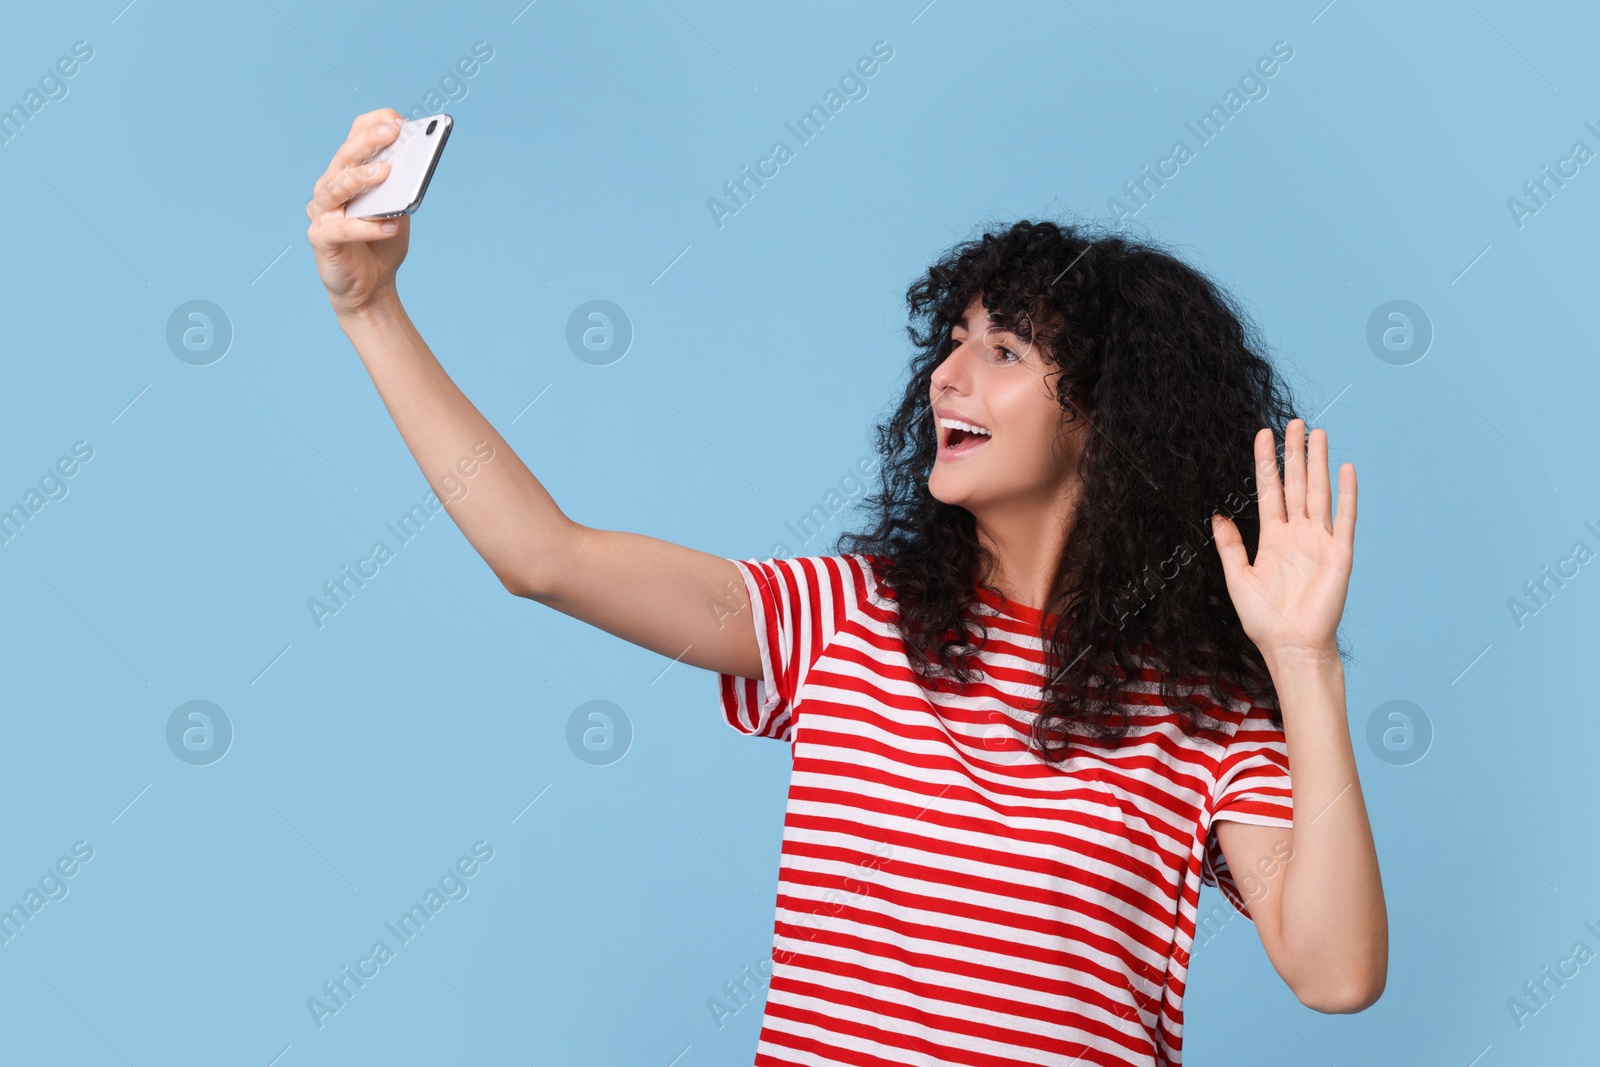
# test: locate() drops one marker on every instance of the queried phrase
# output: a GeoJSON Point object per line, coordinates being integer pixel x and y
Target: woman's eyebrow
{"type": "Point", "coordinates": [993, 329]}
{"type": "Point", "coordinates": [997, 335]}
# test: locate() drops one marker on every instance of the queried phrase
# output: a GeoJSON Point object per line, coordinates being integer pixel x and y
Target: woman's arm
{"type": "Point", "coordinates": [677, 601]}
{"type": "Point", "coordinates": [1320, 913]}
{"type": "Point", "coordinates": [1322, 918]}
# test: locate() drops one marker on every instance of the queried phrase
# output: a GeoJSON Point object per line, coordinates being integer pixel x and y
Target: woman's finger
{"type": "Point", "coordinates": [1230, 546]}
{"type": "Point", "coordinates": [348, 161]}
{"type": "Point", "coordinates": [368, 136]}
{"type": "Point", "coordinates": [366, 123]}
{"type": "Point", "coordinates": [339, 189]}
{"type": "Point", "coordinates": [334, 229]}
{"type": "Point", "coordinates": [1346, 527]}
{"type": "Point", "coordinates": [1294, 469]}
{"type": "Point", "coordinates": [372, 118]}
{"type": "Point", "coordinates": [1319, 496]}
{"type": "Point", "coordinates": [362, 146]}
{"type": "Point", "coordinates": [1269, 494]}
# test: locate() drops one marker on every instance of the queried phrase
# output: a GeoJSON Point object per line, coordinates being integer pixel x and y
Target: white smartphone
{"type": "Point", "coordinates": [412, 156]}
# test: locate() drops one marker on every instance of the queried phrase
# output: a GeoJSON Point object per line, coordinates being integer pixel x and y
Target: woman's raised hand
{"type": "Point", "coordinates": [1290, 599]}
{"type": "Point", "coordinates": [357, 258]}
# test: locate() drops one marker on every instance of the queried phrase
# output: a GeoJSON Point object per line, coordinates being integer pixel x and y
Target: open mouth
{"type": "Point", "coordinates": [960, 441]}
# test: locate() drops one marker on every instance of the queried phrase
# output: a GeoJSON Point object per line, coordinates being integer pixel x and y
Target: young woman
{"type": "Point", "coordinates": [1032, 710]}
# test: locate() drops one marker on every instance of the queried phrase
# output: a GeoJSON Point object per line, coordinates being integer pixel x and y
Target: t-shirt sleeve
{"type": "Point", "coordinates": [1252, 786]}
{"type": "Point", "coordinates": [798, 606]}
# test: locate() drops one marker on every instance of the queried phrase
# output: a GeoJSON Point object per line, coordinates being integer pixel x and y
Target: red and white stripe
{"type": "Point", "coordinates": [944, 897]}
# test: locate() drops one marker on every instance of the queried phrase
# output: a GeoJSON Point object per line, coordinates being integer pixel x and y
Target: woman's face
{"type": "Point", "coordinates": [993, 380]}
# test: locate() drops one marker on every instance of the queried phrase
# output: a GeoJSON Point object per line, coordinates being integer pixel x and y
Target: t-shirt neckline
{"type": "Point", "coordinates": [1014, 609]}
{"type": "Point", "coordinates": [1011, 609]}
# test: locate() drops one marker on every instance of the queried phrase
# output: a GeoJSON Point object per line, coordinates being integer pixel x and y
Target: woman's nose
{"type": "Point", "coordinates": [946, 373]}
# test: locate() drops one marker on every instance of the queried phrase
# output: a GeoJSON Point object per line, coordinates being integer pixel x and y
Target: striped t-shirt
{"type": "Point", "coordinates": [944, 897]}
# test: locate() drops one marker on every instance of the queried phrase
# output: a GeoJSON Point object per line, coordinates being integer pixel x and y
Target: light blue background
{"type": "Point", "coordinates": [428, 713]}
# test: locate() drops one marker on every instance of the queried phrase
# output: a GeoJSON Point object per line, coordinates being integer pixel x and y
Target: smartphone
{"type": "Point", "coordinates": [412, 156]}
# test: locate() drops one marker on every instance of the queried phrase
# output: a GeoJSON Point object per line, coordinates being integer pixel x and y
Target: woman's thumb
{"type": "Point", "coordinates": [1230, 546]}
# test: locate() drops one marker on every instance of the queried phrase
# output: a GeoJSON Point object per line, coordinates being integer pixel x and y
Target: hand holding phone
{"type": "Point", "coordinates": [412, 157]}
{"type": "Point", "coordinates": [357, 257]}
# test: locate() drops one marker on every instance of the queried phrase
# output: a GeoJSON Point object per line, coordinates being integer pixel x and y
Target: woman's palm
{"type": "Point", "coordinates": [1292, 596]}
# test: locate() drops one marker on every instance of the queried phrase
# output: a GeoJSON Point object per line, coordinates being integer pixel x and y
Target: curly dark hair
{"type": "Point", "coordinates": [1169, 372]}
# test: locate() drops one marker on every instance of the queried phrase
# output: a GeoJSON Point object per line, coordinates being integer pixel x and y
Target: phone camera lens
{"type": "Point", "coordinates": [431, 126]}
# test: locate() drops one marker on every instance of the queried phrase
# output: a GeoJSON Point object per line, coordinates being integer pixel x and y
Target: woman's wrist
{"type": "Point", "coordinates": [381, 309]}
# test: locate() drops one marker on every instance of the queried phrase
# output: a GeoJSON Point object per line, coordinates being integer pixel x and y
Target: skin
{"type": "Point", "coordinates": [1320, 913]}
{"type": "Point", "coordinates": [1022, 485]}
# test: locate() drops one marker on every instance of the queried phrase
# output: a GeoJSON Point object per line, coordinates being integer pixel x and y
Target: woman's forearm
{"type": "Point", "coordinates": [493, 498]}
{"type": "Point", "coordinates": [1334, 921]}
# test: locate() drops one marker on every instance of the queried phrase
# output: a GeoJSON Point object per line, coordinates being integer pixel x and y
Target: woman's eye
{"type": "Point", "coordinates": [957, 342]}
